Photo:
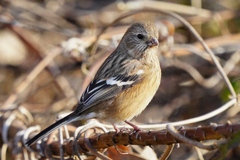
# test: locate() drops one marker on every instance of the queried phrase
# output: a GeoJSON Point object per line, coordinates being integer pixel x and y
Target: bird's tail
{"type": "Point", "coordinates": [53, 127]}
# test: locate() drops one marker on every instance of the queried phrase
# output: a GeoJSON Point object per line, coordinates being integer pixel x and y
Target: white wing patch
{"type": "Point", "coordinates": [113, 81]}
{"type": "Point", "coordinates": [140, 72]}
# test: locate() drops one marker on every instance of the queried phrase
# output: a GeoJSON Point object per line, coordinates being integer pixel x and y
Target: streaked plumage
{"type": "Point", "coordinates": [124, 84]}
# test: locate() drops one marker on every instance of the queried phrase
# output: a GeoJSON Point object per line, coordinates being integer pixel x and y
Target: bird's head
{"type": "Point", "coordinates": [139, 38]}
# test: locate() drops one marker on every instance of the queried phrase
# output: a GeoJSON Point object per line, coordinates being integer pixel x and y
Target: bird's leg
{"type": "Point", "coordinates": [116, 129]}
{"type": "Point", "coordinates": [135, 127]}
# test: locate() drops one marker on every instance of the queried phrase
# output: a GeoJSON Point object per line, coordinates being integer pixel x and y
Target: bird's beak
{"type": "Point", "coordinates": [153, 42]}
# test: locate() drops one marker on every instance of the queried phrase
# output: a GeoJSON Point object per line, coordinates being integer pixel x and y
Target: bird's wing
{"type": "Point", "coordinates": [100, 90]}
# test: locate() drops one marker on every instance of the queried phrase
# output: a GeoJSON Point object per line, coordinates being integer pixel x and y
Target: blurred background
{"type": "Point", "coordinates": [49, 54]}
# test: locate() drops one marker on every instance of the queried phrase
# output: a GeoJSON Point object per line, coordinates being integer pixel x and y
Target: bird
{"type": "Point", "coordinates": [124, 84]}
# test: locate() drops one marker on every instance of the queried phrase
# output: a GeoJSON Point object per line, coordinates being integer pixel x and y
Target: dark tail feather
{"type": "Point", "coordinates": [52, 128]}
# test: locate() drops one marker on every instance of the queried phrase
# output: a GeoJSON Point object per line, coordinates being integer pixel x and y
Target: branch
{"type": "Point", "coordinates": [104, 140]}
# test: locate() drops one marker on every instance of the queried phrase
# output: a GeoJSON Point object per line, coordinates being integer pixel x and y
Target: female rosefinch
{"type": "Point", "coordinates": [124, 84]}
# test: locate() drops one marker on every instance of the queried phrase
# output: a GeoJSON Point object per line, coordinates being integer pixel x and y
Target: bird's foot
{"type": "Point", "coordinates": [118, 130]}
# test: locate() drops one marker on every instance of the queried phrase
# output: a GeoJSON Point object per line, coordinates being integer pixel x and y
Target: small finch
{"type": "Point", "coordinates": [124, 84]}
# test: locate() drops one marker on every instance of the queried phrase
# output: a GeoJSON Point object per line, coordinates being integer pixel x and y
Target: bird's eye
{"type": "Point", "coordinates": [140, 36]}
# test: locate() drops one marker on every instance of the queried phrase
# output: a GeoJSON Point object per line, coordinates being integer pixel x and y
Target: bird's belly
{"type": "Point", "coordinates": [131, 102]}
